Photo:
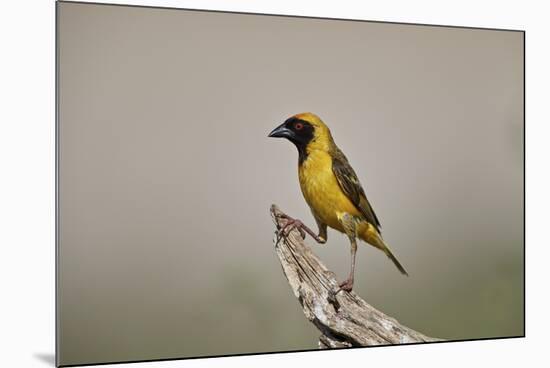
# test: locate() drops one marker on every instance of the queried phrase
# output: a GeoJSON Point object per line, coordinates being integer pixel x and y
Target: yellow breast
{"type": "Point", "coordinates": [322, 191]}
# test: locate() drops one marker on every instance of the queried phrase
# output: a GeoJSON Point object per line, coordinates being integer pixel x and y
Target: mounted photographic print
{"type": "Point", "coordinates": [232, 183]}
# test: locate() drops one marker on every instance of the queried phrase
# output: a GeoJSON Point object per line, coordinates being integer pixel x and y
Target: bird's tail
{"type": "Point", "coordinates": [394, 260]}
{"type": "Point", "coordinates": [379, 243]}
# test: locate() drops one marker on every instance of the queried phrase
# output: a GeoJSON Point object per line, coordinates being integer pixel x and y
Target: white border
{"type": "Point", "coordinates": [27, 183]}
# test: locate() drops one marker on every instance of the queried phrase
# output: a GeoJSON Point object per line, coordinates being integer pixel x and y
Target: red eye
{"type": "Point", "coordinates": [298, 126]}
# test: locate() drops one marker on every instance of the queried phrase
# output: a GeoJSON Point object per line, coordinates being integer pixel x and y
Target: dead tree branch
{"type": "Point", "coordinates": [344, 320]}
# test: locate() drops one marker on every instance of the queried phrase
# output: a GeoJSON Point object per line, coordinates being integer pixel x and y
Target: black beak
{"type": "Point", "coordinates": [281, 132]}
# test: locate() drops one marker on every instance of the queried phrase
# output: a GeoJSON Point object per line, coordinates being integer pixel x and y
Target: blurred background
{"type": "Point", "coordinates": [166, 176]}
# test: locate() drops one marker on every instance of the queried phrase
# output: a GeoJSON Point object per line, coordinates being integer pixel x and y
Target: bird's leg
{"type": "Point", "coordinates": [347, 285]}
{"type": "Point", "coordinates": [350, 228]}
{"type": "Point", "coordinates": [293, 223]}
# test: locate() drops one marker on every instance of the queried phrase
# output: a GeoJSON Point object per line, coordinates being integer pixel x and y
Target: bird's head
{"type": "Point", "coordinates": [307, 131]}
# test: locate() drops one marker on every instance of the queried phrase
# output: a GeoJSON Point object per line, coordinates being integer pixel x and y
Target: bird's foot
{"type": "Point", "coordinates": [292, 224]}
{"type": "Point", "coordinates": [346, 285]}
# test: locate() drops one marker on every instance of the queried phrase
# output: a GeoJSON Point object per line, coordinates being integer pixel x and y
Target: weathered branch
{"type": "Point", "coordinates": [345, 319]}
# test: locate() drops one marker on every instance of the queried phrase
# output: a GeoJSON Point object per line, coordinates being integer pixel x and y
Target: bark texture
{"type": "Point", "coordinates": [344, 319]}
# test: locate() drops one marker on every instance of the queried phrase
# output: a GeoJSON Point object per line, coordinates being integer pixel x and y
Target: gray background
{"type": "Point", "coordinates": [166, 176]}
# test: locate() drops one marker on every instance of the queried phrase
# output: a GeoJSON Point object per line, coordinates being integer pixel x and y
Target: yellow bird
{"type": "Point", "coordinates": [331, 189]}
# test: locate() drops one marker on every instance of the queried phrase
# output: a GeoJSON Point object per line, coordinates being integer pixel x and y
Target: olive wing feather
{"type": "Point", "coordinates": [350, 185]}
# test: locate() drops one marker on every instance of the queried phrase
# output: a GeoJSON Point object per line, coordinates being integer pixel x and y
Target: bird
{"type": "Point", "coordinates": [331, 189]}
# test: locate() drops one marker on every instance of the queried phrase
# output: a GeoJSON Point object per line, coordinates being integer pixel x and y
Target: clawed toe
{"type": "Point", "coordinates": [292, 224]}
{"type": "Point", "coordinates": [346, 285]}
